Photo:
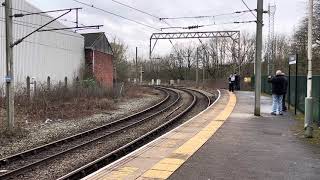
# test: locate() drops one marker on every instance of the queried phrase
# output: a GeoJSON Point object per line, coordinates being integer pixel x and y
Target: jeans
{"type": "Point", "coordinates": [277, 103]}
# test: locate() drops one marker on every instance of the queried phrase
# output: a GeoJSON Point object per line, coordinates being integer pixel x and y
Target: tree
{"type": "Point", "coordinates": [120, 62]}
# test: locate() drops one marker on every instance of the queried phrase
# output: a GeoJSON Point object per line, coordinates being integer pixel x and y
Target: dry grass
{"type": "Point", "coordinates": [133, 91]}
{"type": "Point", "coordinates": [60, 103]}
{"type": "Point", "coordinates": [57, 103]}
{"type": "Point", "coordinates": [299, 131]}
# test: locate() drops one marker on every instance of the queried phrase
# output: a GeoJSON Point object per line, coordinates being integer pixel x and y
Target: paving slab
{"type": "Point", "coordinates": [250, 147]}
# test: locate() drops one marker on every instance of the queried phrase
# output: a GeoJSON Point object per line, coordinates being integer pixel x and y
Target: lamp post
{"type": "Point", "coordinates": [308, 118]}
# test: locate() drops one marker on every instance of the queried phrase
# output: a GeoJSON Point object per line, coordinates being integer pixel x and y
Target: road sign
{"type": "Point", "coordinates": [292, 59]}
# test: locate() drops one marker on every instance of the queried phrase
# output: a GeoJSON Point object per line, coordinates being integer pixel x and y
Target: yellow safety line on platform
{"type": "Point", "coordinates": [121, 173]}
{"type": "Point", "coordinates": [164, 168]}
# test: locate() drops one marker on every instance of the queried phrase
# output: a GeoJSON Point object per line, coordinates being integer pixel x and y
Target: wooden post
{"type": "Point", "coordinates": [34, 88]}
{"type": "Point", "coordinates": [77, 82]}
{"type": "Point", "coordinates": [65, 82]}
{"type": "Point", "coordinates": [48, 83]}
{"type": "Point", "coordinates": [28, 88]}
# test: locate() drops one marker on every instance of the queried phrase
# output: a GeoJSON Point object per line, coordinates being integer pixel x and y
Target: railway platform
{"type": "Point", "coordinates": [224, 142]}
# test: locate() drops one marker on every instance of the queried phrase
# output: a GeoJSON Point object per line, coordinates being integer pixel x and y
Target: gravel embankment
{"type": "Point", "coordinates": [68, 162]}
{"type": "Point", "coordinates": [62, 165]}
{"type": "Point", "coordinates": [38, 134]}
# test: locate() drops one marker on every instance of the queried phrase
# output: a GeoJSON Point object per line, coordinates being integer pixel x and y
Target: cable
{"type": "Point", "coordinates": [248, 8]}
{"type": "Point", "coordinates": [136, 9]}
{"type": "Point", "coordinates": [208, 16]}
{"type": "Point", "coordinates": [206, 25]}
{"type": "Point", "coordinates": [31, 25]}
{"type": "Point", "coordinates": [251, 11]}
{"type": "Point", "coordinates": [144, 12]}
{"type": "Point", "coordinates": [114, 14]}
{"type": "Point", "coordinates": [44, 15]}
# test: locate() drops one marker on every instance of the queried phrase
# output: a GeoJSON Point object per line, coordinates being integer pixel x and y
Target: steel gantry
{"type": "Point", "coordinates": [233, 35]}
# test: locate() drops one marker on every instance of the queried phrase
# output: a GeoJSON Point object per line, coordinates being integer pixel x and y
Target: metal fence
{"type": "Point", "coordinates": [297, 96]}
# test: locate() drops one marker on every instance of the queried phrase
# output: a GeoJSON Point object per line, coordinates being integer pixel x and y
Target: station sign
{"type": "Point", "coordinates": [292, 59]}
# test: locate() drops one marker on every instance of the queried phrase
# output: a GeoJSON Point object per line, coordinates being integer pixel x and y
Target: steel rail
{"type": "Point", "coordinates": [15, 171]}
{"type": "Point", "coordinates": [77, 136]}
{"type": "Point", "coordinates": [114, 155]}
{"type": "Point", "coordinates": [202, 93]}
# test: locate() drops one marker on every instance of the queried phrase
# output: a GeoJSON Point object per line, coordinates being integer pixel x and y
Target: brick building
{"type": "Point", "coordinates": [99, 58]}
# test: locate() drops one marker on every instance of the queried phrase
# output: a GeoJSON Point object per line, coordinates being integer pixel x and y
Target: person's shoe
{"type": "Point", "coordinates": [281, 113]}
{"type": "Point", "coordinates": [273, 113]}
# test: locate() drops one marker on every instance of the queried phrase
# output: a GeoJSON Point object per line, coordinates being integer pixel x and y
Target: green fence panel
{"type": "Point", "coordinates": [316, 97]}
{"type": "Point", "coordinates": [301, 92]}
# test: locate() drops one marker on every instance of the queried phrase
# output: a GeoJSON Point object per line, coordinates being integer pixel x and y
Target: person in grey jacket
{"type": "Point", "coordinates": [278, 90]}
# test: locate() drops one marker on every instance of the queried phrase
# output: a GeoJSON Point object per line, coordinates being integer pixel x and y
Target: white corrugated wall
{"type": "Point", "coordinates": [57, 54]}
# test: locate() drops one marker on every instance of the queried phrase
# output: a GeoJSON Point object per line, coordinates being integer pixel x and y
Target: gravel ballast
{"type": "Point", "coordinates": [51, 130]}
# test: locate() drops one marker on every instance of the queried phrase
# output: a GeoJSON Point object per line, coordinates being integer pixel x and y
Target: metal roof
{"type": "Point", "coordinates": [97, 41]}
{"type": "Point", "coordinates": [91, 38]}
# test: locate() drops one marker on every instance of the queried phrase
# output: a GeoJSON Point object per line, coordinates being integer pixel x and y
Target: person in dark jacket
{"type": "Point", "coordinates": [237, 81]}
{"type": "Point", "coordinates": [278, 90]}
{"type": "Point", "coordinates": [284, 108]}
{"type": "Point", "coordinates": [231, 82]}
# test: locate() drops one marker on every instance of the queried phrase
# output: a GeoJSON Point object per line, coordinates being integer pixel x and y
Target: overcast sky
{"type": "Point", "coordinates": [288, 14]}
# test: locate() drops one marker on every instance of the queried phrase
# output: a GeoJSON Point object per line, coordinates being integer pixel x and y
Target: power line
{"type": "Point", "coordinates": [206, 25]}
{"type": "Point", "coordinates": [251, 11]}
{"type": "Point", "coordinates": [248, 8]}
{"type": "Point", "coordinates": [32, 25]}
{"type": "Point", "coordinates": [144, 12]}
{"type": "Point", "coordinates": [40, 14]}
{"type": "Point", "coordinates": [114, 14]}
{"type": "Point", "coordinates": [149, 14]}
{"type": "Point", "coordinates": [208, 16]}
{"type": "Point", "coordinates": [37, 13]}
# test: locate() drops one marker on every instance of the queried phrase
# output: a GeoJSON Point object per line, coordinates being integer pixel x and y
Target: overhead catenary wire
{"type": "Point", "coordinates": [43, 15]}
{"type": "Point", "coordinates": [208, 16]}
{"type": "Point", "coordinates": [117, 15]}
{"type": "Point", "coordinates": [249, 9]}
{"type": "Point", "coordinates": [33, 25]}
{"type": "Point", "coordinates": [20, 10]}
{"type": "Point", "coordinates": [207, 25]}
{"type": "Point", "coordinates": [144, 12]}
{"type": "Point", "coordinates": [189, 27]}
{"type": "Point", "coordinates": [149, 14]}
{"type": "Point", "coordinates": [141, 11]}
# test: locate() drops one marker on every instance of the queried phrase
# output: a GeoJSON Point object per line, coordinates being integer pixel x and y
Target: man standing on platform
{"type": "Point", "coordinates": [231, 82]}
{"type": "Point", "coordinates": [278, 86]}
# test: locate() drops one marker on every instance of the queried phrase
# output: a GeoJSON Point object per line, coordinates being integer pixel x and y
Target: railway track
{"type": "Point", "coordinates": [19, 164]}
{"type": "Point", "coordinates": [114, 155]}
